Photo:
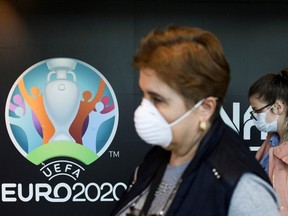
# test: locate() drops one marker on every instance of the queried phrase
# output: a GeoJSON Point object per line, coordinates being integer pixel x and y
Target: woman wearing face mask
{"type": "Point", "coordinates": [198, 165]}
{"type": "Point", "coordinates": [268, 97]}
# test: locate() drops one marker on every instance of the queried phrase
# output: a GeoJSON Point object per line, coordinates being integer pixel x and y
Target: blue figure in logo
{"type": "Point", "coordinates": [23, 120]}
{"type": "Point", "coordinates": [96, 119]}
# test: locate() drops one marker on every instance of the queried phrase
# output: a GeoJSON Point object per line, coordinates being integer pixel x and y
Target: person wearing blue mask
{"type": "Point", "coordinates": [197, 164]}
{"type": "Point", "coordinates": [268, 98]}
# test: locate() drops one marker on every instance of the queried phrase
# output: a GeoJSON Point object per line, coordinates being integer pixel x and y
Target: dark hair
{"type": "Point", "coordinates": [189, 60]}
{"type": "Point", "coordinates": [271, 87]}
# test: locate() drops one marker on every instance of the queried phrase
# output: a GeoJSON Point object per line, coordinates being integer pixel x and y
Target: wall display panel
{"type": "Point", "coordinates": [87, 43]}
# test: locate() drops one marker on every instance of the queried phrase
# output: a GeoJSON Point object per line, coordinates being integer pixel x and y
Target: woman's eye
{"type": "Point", "coordinates": [157, 100]}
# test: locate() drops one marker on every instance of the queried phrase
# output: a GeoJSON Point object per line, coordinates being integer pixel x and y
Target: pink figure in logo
{"type": "Point", "coordinates": [107, 108]}
{"type": "Point", "coordinates": [17, 101]}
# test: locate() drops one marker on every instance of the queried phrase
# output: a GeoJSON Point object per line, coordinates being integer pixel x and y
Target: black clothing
{"type": "Point", "coordinates": [210, 178]}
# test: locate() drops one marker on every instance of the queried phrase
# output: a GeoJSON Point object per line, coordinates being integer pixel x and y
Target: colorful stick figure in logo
{"type": "Point", "coordinates": [35, 102]}
{"type": "Point", "coordinates": [96, 118]}
{"type": "Point", "coordinates": [33, 138]}
{"type": "Point", "coordinates": [107, 107]}
{"type": "Point", "coordinates": [86, 106]}
{"type": "Point", "coordinates": [17, 101]}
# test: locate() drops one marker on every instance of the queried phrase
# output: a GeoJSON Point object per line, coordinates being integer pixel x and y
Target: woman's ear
{"type": "Point", "coordinates": [207, 108]}
{"type": "Point", "coordinates": [279, 107]}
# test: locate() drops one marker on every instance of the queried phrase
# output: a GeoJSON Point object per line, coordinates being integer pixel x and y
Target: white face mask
{"type": "Point", "coordinates": [152, 127]}
{"type": "Point", "coordinates": [261, 123]}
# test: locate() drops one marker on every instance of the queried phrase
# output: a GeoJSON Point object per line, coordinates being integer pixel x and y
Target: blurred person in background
{"type": "Point", "coordinates": [268, 98]}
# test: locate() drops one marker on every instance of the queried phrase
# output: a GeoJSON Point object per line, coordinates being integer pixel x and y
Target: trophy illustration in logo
{"type": "Point", "coordinates": [61, 107]}
{"type": "Point", "coordinates": [61, 97]}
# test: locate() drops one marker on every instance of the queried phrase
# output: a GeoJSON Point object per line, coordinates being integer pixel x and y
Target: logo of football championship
{"type": "Point", "coordinates": [61, 107]}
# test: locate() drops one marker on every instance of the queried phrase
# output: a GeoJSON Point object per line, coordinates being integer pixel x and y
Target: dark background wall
{"type": "Point", "coordinates": [105, 35]}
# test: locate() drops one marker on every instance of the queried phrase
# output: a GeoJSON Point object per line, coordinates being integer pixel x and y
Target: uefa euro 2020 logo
{"type": "Point", "coordinates": [61, 108]}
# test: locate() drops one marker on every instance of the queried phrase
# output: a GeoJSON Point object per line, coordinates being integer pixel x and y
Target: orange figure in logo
{"type": "Point", "coordinates": [36, 104]}
{"type": "Point", "coordinates": [85, 108]}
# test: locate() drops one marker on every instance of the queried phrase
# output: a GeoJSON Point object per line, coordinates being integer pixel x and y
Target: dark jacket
{"type": "Point", "coordinates": [209, 180]}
